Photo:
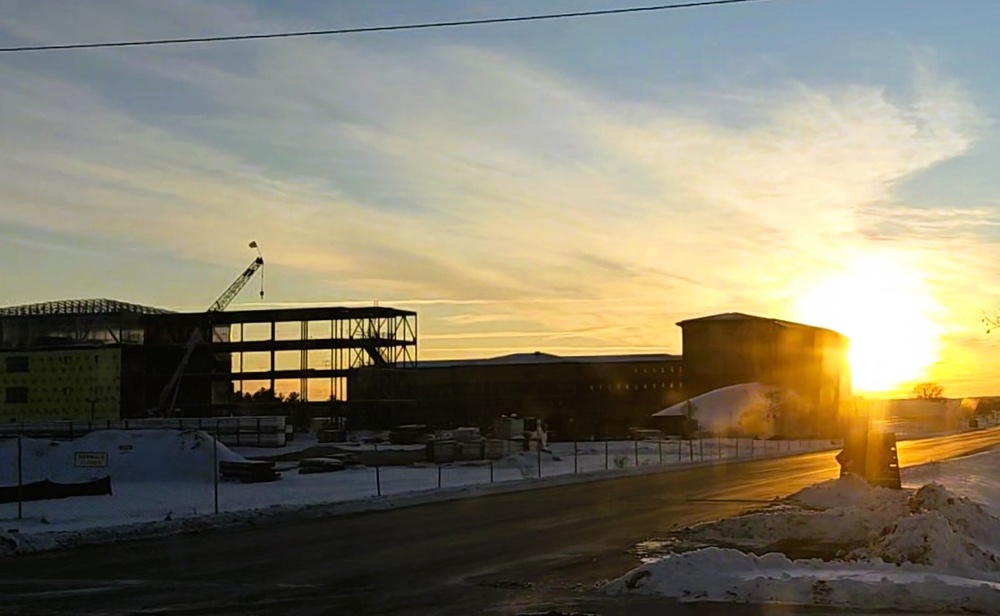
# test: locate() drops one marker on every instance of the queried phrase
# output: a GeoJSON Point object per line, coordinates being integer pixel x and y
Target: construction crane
{"type": "Point", "coordinates": [168, 397]}
{"type": "Point", "coordinates": [234, 289]}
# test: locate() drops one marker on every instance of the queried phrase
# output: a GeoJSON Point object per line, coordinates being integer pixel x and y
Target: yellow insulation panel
{"type": "Point", "coordinates": [78, 384]}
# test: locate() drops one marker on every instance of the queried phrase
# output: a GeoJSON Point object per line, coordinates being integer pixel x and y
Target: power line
{"type": "Point", "coordinates": [370, 29]}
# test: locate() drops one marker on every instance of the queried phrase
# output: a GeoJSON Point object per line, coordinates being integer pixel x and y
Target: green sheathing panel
{"type": "Point", "coordinates": [60, 384]}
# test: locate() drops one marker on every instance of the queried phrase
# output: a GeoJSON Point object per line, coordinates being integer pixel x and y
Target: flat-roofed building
{"type": "Point", "coordinates": [810, 363]}
{"type": "Point", "coordinates": [576, 396]}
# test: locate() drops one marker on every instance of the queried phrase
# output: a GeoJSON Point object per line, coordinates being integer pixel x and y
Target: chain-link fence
{"type": "Point", "coordinates": [119, 477]}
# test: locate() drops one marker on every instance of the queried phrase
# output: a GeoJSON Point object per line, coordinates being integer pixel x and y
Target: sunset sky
{"type": "Point", "coordinates": [569, 187]}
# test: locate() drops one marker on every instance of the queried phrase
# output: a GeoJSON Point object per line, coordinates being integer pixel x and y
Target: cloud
{"type": "Point", "coordinates": [497, 195]}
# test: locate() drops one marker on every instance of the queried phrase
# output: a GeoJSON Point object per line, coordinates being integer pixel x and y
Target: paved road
{"type": "Point", "coordinates": [503, 554]}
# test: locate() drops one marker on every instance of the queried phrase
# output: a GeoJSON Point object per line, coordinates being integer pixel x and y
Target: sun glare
{"type": "Point", "coordinates": [886, 309]}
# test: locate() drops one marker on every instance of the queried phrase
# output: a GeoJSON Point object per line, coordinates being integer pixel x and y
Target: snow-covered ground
{"type": "Point", "coordinates": [301, 442]}
{"type": "Point", "coordinates": [934, 546]}
{"type": "Point", "coordinates": [167, 475]}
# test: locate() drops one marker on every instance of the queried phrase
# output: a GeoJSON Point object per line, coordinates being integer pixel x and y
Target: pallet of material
{"type": "Point", "coordinates": [252, 471]}
{"type": "Point", "coordinates": [311, 466]}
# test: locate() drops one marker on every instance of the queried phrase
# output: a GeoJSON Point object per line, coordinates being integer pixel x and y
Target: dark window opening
{"type": "Point", "coordinates": [17, 364]}
{"type": "Point", "coordinates": [16, 395]}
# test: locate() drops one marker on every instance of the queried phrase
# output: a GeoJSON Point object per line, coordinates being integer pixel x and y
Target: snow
{"type": "Point", "coordinates": [359, 447]}
{"type": "Point", "coordinates": [133, 455]}
{"type": "Point", "coordinates": [745, 405]}
{"type": "Point", "coordinates": [301, 443]}
{"type": "Point", "coordinates": [715, 574]}
{"type": "Point", "coordinates": [974, 476]}
{"type": "Point", "coordinates": [926, 548]}
{"type": "Point", "coordinates": [160, 477]}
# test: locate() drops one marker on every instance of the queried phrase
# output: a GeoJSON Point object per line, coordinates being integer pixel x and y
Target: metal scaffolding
{"type": "Point", "coordinates": [308, 350]}
{"type": "Point", "coordinates": [85, 322]}
{"type": "Point", "coordinates": [78, 307]}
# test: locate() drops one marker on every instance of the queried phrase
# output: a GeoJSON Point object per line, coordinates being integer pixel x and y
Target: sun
{"type": "Point", "coordinates": [884, 306]}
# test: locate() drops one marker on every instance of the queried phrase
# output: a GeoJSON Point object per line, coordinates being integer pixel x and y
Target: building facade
{"type": "Point", "coordinates": [61, 384]}
{"type": "Point", "coordinates": [71, 359]}
{"type": "Point", "coordinates": [808, 362]}
{"type": "Point", "coordinates": [577, 397]}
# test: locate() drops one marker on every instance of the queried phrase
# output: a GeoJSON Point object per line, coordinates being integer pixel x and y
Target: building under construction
{"type": "Point", "coordinates": [104, 359]}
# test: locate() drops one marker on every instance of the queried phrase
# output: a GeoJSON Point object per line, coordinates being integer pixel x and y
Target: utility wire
{"type": "Point", "coordinates": [370, 29]}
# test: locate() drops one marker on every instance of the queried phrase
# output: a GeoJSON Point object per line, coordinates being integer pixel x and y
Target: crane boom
{"type": "Point", "coordinates": [234, 289]}
{"type": "Point", "coordinates": [165, 405]}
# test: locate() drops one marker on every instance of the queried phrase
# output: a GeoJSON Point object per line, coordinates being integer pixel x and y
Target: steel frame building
{"type": "Point", "coordinates": [124, 355]}
{"type": "Point", "coordinates": [297, 347]}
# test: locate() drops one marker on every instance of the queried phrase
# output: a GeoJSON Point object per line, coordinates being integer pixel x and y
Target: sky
{"type": "Point", "coordinates": [573, 187]}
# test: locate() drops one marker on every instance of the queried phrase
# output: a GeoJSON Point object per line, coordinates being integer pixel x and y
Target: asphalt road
{"type": "Point", "coordinates": [525, 552]}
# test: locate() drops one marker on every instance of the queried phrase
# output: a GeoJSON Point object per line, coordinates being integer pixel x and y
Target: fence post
{"type": "Point", "coordinates": [491, 471]}
{"type": "Point", "coordinates": [439, 475]}
{"type": "Point", "coordinates": [701, 448]}
{"type": "Point", "coordinates": [20, 475]}
{"type": "Point", "coordinates": [576, 457]}
{"type": "Point", "coordinates": [605, 455]}
{"type": "Point", "coordinates": [215, 464]}
{"type": "Point", "coordinates": [636, 453]}
{"type": "Point", "coordinates": [539, 448]}
{"type": "Point", "coordinates": [691, 449]}
{"type": "Point", "coordinates": [660, 444]}
{"type": "Point", "coordinates": [378, 475]}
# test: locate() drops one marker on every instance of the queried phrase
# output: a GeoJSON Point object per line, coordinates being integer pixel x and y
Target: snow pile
{"type": "Point", "coordinates": [927, 549]}
{"type": "Point", "coordinates": [726, 407]}
{"type": "Point", "coordinates": [715, 574]}
{"type": "Point", "coordinates": [942, 531]}
{"type": "Point", "coordinates": [842, 514]}
{"type": "Point", "coordinates": [132, 456]}
{"type": "Point", "coordinates": [849, 491]}
{"type": "Point", "coordinates": [973, 476]}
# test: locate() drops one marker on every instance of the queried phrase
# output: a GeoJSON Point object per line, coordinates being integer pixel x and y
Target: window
{"type": "Point", "coordinates": [17, 364]}
{"type": "Point", "coordinates": [16, 395]}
